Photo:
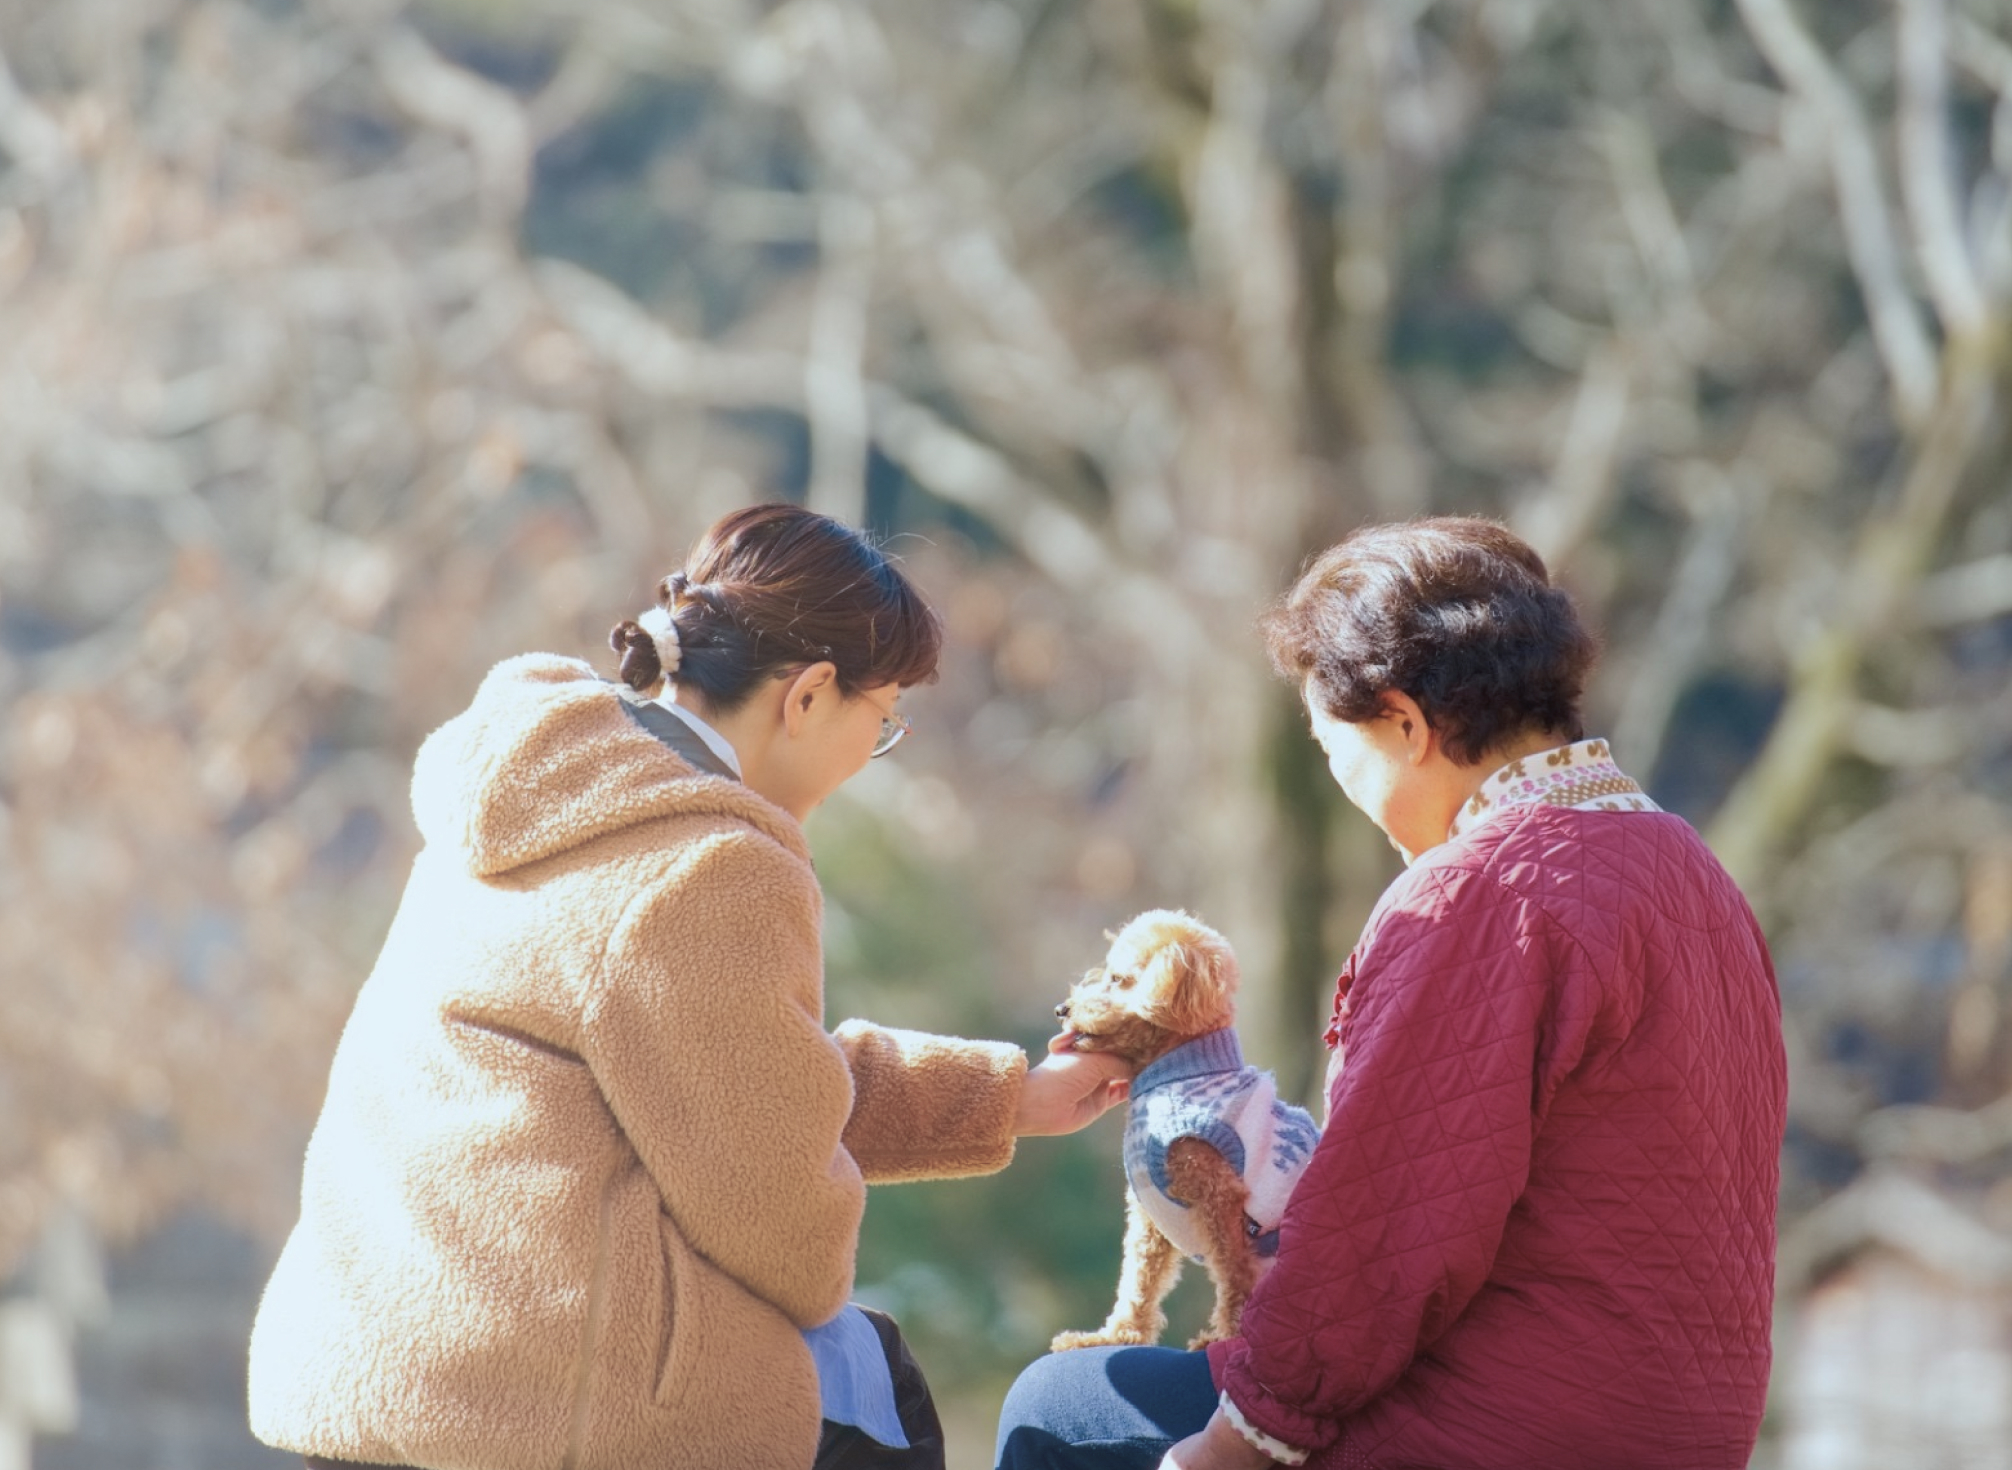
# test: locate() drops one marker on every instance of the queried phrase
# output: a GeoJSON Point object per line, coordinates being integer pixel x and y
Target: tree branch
{"type": "Point", "coordinates": [1889, 1209]}
{"type": "Point", "coordinates": [1975, 592]}
{"type": "Point", "coordinates": [1683, 628]}
{"type": "Point", "coordinates": [1938, 1135]}
{"type": "Point", "coordinates": [613, 326]}
{"type": "Point", "coordinates": [1911, 739]}
{"type": "Point", "coordinates": [1989, 60]}
{"type": "Point", "coordinates": [833, 389]}
{"type": "Point", "coordinates": [482, 114]}
{"type": "Point", "coordinates": [28, 134]}
{"type": "Point", "coordinates": [1780, 788]}
{"type": "Point", "coordinates": [1867, 219]}
{"type": "Point", "coordinates": [1928, 172]}
{"type": "Point", "coordinates": [966, 473]}
{"type": "Point", "coordinates": [1558, 522]}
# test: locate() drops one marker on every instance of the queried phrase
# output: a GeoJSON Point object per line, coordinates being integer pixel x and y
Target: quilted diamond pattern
{"type": "Point", "coordinates": [1539, 1227]}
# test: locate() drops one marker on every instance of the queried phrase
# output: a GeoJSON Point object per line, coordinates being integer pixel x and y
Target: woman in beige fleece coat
{"type": "Point", "coordinates": [589, 1161]}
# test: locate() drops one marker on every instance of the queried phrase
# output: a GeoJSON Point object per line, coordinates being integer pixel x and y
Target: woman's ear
{"type": "Point", "coordinates": [1407, 717]}
{"type": "Point", "coordinates": [803, 692]}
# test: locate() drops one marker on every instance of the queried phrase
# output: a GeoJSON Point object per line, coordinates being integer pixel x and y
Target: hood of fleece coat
{"type": "Point", "coordinates": [547, 758]}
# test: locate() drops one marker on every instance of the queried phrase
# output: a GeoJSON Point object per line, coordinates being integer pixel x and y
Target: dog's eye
{"type": "Point", "coordinates": [1123, 982]}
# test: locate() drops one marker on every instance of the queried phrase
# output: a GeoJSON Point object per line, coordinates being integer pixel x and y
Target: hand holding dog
{"type": "Point", "coordinates": [1070, 1090]}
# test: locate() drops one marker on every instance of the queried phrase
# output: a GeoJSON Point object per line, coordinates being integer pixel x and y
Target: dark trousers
{"type": "Point", "coordinates": [841, 1447]}
{"type": "Point", "coordinates": [846, 1448]}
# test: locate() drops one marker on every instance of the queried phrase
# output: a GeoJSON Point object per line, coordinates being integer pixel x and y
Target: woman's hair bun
{"type": "Point", "coordinates": [641, 668]}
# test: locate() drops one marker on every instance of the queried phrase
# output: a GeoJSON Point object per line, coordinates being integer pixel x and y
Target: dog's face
{"type": "Point", "coordinates": [1167, 979]}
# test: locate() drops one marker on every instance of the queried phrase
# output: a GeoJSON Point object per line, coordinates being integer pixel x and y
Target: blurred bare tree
{"type": "Point", "coordinates": [347, 345]}
{"type": "Point", "coordinates": [293, 445]}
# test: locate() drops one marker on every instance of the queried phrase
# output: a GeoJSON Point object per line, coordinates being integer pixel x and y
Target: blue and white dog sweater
{"type": "Point", "coordinates": [1202, 1089]}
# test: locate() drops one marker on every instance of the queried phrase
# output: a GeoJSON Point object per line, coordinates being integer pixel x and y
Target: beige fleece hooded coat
{"type": "Point", "coordinates": [589, 1160]}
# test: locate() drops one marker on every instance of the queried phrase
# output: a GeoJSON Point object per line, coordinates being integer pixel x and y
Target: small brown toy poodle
{"type": "Point", "coordinates": [1211, 1154]}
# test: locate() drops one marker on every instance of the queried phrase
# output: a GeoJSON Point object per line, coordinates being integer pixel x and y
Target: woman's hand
{"type": "Point", "coordinates": [1217, 1447]}
{"type": "Point", "coordinates": [1068, 1091]}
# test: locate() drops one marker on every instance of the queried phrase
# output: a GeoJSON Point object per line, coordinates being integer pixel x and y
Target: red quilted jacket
{"type": "Point", "coordinates": [1539, 1228]}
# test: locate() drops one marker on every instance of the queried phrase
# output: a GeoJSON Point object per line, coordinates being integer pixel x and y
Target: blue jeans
{"type": "Point", "coordinates": [1109, 1408]}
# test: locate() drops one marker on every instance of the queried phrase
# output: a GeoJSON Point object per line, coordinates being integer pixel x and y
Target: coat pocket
{"type": "Point", "coordinates": [731, 1360]}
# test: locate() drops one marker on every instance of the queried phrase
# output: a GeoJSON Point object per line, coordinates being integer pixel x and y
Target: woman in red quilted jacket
{"type": "Point", "coordinates": [1539, 1228]}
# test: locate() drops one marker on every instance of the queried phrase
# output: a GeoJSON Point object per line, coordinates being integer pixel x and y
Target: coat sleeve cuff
{"type": "Point", "coordinates": [1256, 1438]}
{"type": "Point", "coordinates": [1246, 1402]}
{"type": "Point", "coordinates": [929, 1107]}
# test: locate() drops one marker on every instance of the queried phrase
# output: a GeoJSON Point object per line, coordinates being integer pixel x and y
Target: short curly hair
{"type": "Point", "coordinates": [1457, 612]}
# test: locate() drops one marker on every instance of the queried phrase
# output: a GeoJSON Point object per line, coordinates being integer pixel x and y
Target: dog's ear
{"type": "Point", "coordinates": [1193, 982]}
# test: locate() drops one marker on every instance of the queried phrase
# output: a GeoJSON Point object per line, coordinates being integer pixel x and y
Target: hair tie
{"type": "Point", "coordinates": [664, 633]}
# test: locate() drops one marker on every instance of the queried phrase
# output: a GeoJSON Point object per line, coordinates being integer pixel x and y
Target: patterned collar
{"type": "Point", "coordinates": [1582, 777]}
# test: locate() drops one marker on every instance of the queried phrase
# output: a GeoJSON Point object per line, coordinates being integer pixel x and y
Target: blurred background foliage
{"type": "Point", "coordinates": [347, 346]}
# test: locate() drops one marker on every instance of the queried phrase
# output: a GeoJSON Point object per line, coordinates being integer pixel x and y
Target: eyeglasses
{"type": "Point", "coordinates": [893, 725]}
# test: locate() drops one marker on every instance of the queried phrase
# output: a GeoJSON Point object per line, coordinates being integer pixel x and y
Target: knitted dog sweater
{"type": "Point", "coordinates": [1202, 1089]}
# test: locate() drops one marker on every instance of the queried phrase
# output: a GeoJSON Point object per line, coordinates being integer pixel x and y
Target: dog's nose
{"type": "Point", "coordinates": [1062, 1011]}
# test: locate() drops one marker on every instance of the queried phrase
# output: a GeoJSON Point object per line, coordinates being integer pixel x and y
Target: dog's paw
{"type": "Point", "coordinates": [1103, 1337]}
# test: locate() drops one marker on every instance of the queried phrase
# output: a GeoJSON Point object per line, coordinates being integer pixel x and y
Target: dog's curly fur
{"type": "Point", "coordinates": [1167, 979]}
